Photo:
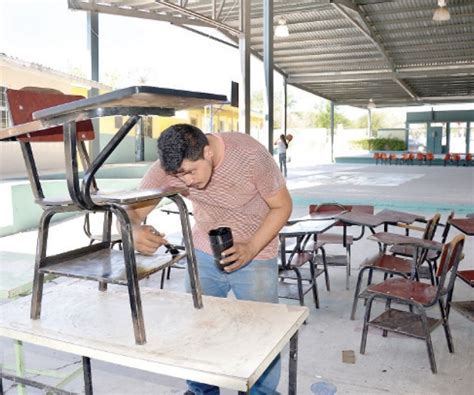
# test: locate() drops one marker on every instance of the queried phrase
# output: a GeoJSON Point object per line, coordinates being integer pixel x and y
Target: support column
{"type": "Point", "coordinates": [93, 46]}
{"type": "Point", "coordinates": [332, 131]}
{"type": "Point", "coordinates": [211, 119]}
{"type": "Point", "coordinates": [244, 86]}
{"type": "Point", "coordinates": [468, 137]}
{"type": "Point", "coordinates": [268, 66]}
{"type": "Point", "coordinates": [284, 120]}
{"type": "Point", "coordinates": [369, 122]}
{"type": "Point", "coordinates": [448, 137]}
{"type": "Point", "coordinates": [140, 140]}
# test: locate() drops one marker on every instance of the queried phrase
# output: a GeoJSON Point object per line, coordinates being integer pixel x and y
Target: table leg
{"type": "Point", "coordinates": [283, 251]}
{"type": "Point", "coordinates": [132, 276]}
{"type": "Point", "coordinates": [86, 367]}
{"type": "Point", "coordinates": [293, 365]}
{"type": "Point", "coordinates": [190, 253]}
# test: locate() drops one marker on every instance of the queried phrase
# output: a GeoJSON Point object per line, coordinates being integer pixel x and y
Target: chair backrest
{"type": "Point", "coordinates": [24, 102]}
{"type": "Point", "coordinates": [451, 255]}
{"type": "Point", "coordinates": [327, 207]}
{"type": "Point", "coordinates": [447, 227]}
{"type": "Point", "coordinates": [431, 227]}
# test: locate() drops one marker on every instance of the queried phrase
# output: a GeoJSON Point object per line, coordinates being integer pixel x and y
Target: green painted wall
{"type": "Point", "coordinates": [20, 213]}
{"type": "Point", "coordinates": [125, 152]}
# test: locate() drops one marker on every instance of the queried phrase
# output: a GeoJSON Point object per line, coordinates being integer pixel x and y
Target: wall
{"type": "Point", "coordinates": [399, 134]}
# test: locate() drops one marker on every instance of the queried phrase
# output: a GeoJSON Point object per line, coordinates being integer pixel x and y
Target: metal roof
{"type": "Point", "coordinates": [347, 51]}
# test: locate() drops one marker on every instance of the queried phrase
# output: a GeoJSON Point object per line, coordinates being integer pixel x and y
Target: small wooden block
{"type": "Point", "coordinates": [348, 356]}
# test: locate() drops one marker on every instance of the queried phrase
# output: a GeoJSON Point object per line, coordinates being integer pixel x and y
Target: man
{"type": "Point", "coordinates": [232, 181]}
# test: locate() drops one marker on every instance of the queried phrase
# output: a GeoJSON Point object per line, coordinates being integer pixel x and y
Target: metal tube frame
{"type": "Point", "coordinates": [81, 197]}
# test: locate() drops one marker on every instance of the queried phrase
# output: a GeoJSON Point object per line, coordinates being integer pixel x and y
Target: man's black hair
{"type": "Point", "coordinates": [179, 142]}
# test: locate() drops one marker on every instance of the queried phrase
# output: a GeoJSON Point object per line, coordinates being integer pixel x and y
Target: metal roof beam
{"type": "Point", "coordinates": [363, 75]}
{"type": "Point", "coordinates": [370, 34]}
{"type": "Point", "coordinates": [200, 17]}
{"type": "Point", "coordinates": [114, 10]}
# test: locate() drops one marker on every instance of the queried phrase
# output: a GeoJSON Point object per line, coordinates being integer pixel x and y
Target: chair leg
{"type": "Point", "coordinates": [162, 281]}
{"type": "Point", "coordinates": [429, 344]}
{"type": "Point", "coordinates": [431, 270]}
{"type": "Point", "coordinates": [299, 283]}
{"type": "Point", "coordinates": [348, 265]}
{"type": "Point", "coordinates": [357, 291]}
{"type": "Point", "coordinates": [447, 330]}
{"type": "Point", "coordinates": [365, 330]}
{"type": "Point", "coordinates": [387, 307]}
{"type": "Point", "coordinates": [314, 284]}
{"type": "Point", "coordinates": [325, 265]}
{"type": "Point", "coordinates": [38, 278]}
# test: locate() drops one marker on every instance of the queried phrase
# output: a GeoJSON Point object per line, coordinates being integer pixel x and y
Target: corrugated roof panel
{"type": "Point", "coordinates": [398, 38]}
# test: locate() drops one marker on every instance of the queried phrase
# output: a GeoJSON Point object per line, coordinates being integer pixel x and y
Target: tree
{"type": "Point", "coordinates": [257, 104]}
{"type": "Point", "coordinates": [322, 118]}
{"type": "Point", "coordinates": [380, 121]}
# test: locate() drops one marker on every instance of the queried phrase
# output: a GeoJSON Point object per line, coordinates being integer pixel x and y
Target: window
{"type": "Point", "coordinates": [147, 125]}
{"type": "Point", "coordinates": [4, 113]}
{"type": "Point", "coordinates": [118, 122]}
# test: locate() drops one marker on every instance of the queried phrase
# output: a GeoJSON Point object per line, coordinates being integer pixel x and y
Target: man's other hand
{"type": "Point", "coordinates": [147, 239]}
{"type": "Point", "coordinates": [240, 254]}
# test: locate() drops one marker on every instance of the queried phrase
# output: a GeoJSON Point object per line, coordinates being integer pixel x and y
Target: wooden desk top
{"type": "Point", "coordinates": [141, 100]}
{"type": "Point", "coordinates": [393, 216]}
{"type": "Point", "coordinates": [228, 343]}
{"type": "Point", "coordinates": [136, 96]}
{"type": "Point", "coordinates": [306, 227]}
{"type": "Point", "coordinates": [465, 225]}
{"type": "Point", "coordinates": [398, 239]}
{"type": "Point", "coordinates": [360, 218]}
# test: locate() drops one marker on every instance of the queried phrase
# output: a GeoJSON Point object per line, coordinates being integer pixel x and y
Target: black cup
{"type": "Point", "coordinates": [221, 240]}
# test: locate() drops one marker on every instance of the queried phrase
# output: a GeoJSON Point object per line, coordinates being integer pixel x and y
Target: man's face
{"type": "Point", "coordinates": [196, 174]}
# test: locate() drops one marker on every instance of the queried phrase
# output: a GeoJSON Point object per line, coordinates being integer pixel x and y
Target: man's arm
{"type": "Point", "coordinates": [280, 206]}
{"type": "Point", "coordinates": [146, 239]}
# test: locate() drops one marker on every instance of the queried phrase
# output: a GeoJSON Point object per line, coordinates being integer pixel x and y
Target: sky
{"type": "Point", "coordinates": [133, 50]}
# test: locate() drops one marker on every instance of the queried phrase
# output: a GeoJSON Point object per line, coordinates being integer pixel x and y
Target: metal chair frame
{"type": "Point", "coordinates": [397, 266]}
{"type": "Point", "coordinates": [417, 296]}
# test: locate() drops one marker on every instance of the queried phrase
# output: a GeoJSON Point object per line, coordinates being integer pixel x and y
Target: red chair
{"type": "Point", "coordinates": [383, 158]}
{"type": "Point", "coordinates": [447, 159]}
{"type": "Point", "coordinates": [456, 158]}
{"type": "Point", "coordinates": [376, 157]}
{"type": "Point", "coordinates": [468, 160]}
{"type": "Point", "coordinates": [392, 264]}
{"type": "Point", "coordinates": [22, 104]}
{"type": "Point", "coordinates": [418, 296]}
{"type": "Point", "coordinates": [431, 256]}
{"type": "Point", "coordinates": [394, 158]}
{"type": "Point", "coordinates": [420, 157]}
{"type": "Point", "coordinates": [429, 158]}
{"type": "Point", "coordinates": [407, 157]}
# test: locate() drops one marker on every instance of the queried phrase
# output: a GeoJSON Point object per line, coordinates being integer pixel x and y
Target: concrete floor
{"type": "Point", "coordinates": [394, 365]}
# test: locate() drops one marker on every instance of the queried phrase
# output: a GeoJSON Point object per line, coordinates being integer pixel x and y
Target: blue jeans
{"type": "Point", "coordinates": [282, 160]}
{"type": "Point", "coordinates": [257, 281]}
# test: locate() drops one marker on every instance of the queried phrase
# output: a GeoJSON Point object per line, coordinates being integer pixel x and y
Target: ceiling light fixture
{"type": "Point", "coordinates": [282, 29]}
{"type": "Point", "coordinates": [441, 13]}
{"type": "Point", "coordinates": [371, 104]}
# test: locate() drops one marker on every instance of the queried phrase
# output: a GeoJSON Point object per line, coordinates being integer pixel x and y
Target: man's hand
{"type": "Point", "coordinates": [240, 254]}
{"type": "Point", "coordinates": [146, 239]}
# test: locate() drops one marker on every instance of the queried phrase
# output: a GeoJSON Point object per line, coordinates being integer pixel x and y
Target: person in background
{"type": "Point", "coordinates": [234, 182]}
{"type": "Point", "coordinates": [282, 146]}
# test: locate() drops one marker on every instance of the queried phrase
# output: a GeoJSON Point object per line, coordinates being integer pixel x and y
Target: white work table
{"type": "Point", "coordinates": [227, 343]}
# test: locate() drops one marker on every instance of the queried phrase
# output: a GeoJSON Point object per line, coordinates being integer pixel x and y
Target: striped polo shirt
{"type": "Point", "coordinates": [234, 196]}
